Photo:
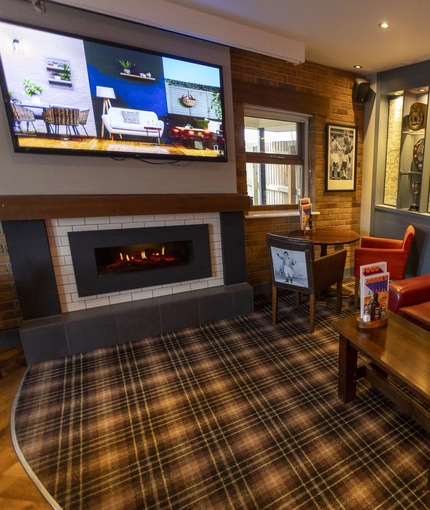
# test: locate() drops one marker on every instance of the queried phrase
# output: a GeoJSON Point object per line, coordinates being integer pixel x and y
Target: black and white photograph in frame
{"type": "Point", "coordinates": [341, 153]}
{"type": "Point", "coordinates": [289, 266]}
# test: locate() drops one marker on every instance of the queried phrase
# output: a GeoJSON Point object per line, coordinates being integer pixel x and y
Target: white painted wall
{"type": "Point", "coordinates": [183, 20]}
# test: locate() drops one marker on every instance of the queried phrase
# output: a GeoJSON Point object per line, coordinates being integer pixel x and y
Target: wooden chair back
{"type": "Point", "coordinates": [295, 268]}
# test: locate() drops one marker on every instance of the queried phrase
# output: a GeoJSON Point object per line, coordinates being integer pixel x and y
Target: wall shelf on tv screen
{"type": "Point", "coordinates": [58, 69]}
{"type": "Point", "coordinates": [60, 82]}
{"type": "Point", "coordinates": [137, 76]}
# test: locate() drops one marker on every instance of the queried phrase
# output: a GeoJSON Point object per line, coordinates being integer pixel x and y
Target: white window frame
{"type": "Point", "coordinates": [287, 116]}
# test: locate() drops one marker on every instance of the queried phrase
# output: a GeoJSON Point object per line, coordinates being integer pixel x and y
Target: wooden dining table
{"type": "Point", "coordinates": [325, 237]}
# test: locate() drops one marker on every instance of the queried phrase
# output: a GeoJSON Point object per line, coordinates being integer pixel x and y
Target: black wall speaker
{"type": "Point", "coordinates": [360, 90]}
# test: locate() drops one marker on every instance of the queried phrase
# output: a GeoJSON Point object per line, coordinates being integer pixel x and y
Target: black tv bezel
{"type": "Point", "coordinates": [116, 155]}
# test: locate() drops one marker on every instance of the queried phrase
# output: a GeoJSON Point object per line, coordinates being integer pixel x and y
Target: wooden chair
{"type": "Point", "coordinates": [394, 252]}
{"type": "Point", "coordinates": [294, 267]}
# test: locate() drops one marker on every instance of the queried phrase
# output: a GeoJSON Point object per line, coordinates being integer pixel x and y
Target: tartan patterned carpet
{"type": "Point", "coordinates": [238, 414]}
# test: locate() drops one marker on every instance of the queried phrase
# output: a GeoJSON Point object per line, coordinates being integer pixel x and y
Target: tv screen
{"type": "Point", "coordinates": [71, 95]}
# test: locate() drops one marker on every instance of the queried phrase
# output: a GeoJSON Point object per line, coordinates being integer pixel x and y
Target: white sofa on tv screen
{"type": "Point", "coordinates": [124, 121]}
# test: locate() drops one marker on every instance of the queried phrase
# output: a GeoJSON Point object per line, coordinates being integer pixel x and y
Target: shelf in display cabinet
{"type": "Point", "coordinates": [420, 132]}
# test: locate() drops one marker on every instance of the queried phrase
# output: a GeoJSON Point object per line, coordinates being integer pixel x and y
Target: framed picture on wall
{"type": "Point", "coordinates": [341, 151]}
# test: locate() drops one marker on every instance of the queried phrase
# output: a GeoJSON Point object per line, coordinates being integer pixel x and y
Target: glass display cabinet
{"type": "Point", "coordinates": [400, 175]}
{"type": "Point", "coordinates": [407, 175]}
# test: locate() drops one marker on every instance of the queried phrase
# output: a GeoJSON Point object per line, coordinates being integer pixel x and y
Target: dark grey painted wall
{"type": "Point", "coordinates": [393, 223]}
{"type": "Point", "coordinates": [34, 276]}
{"type": "Point", "coordinates": [387, 221]}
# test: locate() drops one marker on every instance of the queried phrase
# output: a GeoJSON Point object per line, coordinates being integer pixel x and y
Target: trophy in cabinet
{"type": "Point", "coordinates": [418, 154]}
{"type": "Point", "coordinates": [416, 185]}
{"type": "Point", "coordinates": [417, 116]}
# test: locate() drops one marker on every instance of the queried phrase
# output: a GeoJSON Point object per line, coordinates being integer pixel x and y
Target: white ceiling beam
{"type": "Point", "coordinates": [182, 20]}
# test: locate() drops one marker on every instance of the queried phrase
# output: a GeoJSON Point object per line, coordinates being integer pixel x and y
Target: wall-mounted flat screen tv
{"type": "Point", "coordinates": [71, 95]}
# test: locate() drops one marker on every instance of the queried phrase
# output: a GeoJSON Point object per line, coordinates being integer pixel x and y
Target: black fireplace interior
{"type": "Point", "coordinates": [114, 260]}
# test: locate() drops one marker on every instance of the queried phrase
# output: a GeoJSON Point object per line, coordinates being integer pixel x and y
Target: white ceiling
{"type": "Point", "coordinates": [337, 33]}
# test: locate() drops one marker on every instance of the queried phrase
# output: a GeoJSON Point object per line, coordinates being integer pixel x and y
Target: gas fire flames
{"type": "Point", "coordinates": [145, 259]}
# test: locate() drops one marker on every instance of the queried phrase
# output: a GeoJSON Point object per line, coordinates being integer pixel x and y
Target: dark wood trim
{"type": "Point", "coordinates": [30, 207]}
{"type": "Point", "coordinates": [280, 98]}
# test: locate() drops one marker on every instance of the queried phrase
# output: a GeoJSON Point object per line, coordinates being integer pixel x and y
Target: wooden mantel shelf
{"type": "Point", "coordinates": [32, 207]}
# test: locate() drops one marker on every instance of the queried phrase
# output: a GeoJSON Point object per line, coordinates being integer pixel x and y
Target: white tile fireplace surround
{"type": "Point", "coordinates": [58, 229]}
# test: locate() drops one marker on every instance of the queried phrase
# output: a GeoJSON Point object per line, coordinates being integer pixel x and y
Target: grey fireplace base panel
{"type": "Point", "coordinates": [59, 336]}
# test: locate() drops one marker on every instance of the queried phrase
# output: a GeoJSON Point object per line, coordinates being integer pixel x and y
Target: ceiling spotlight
{"type": "Point", "coordinates": [357, 66]}
{"type": "Point", "coordinates": [384, 24]}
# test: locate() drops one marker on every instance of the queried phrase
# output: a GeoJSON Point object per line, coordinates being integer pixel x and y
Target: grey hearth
{"type": "Point", "coordinates": [85, 330]}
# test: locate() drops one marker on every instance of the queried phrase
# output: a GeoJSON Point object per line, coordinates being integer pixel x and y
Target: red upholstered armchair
{"type": "Point", "coordinates": [410, 298]}
{"type": "Point", "coordinates": [394, 252]}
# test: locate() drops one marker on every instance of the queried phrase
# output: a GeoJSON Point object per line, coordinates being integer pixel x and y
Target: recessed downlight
{"type": "Point", "coordinates": [357, 66]}
{"type": "Point", "coordinates": [384, 24]}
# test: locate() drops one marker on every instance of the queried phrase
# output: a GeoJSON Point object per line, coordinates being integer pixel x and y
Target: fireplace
{"type": "Point", "coordinates": [116, 260]}
{"type": "Point", "coordinates": [58, 322]}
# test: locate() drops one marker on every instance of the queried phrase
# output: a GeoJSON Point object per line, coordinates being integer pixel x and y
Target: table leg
{"type": "Point", "coordinates": [347, 370]}
{"type": "Point", "coordinates": [428, 480]}
{"type": "Point", "coordinates": [324, 293]}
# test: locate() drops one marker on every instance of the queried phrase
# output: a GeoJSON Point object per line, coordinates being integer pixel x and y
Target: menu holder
{"type": "Point", "coordinates": [306, 217]}
{"type": "Point", "coordinates": [374, 283]}
{"type": "Point", "coordinates": [373, 324]}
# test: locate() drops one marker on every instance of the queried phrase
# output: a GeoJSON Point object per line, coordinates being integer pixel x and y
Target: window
{"type": "Point", "coordinates": [276, 156]}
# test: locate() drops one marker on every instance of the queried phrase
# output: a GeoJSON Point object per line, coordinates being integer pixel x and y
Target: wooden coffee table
{"type": "Point", "coordinates": [400, 350]}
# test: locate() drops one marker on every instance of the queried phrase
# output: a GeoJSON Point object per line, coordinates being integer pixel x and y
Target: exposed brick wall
{"type": "Point", "coordinates": [10, 313]}
{"type": "Point", "coordinates": [338, 209]}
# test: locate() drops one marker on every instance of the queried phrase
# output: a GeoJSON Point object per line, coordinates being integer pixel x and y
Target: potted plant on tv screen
{"type": "Point", "coordinates": [32, 90]}
{"type": "Point", "coordinates": [126, 65]}
{"type": "Point", "coordinates": [12, 97]}
{"type": "Point", "coordinates": [216, 105]}
{"type": "Point", "coordinates": [65, 74]}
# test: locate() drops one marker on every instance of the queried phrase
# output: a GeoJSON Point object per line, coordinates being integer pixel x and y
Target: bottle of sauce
{"type": "Point", "coordinates": [375, 308]}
